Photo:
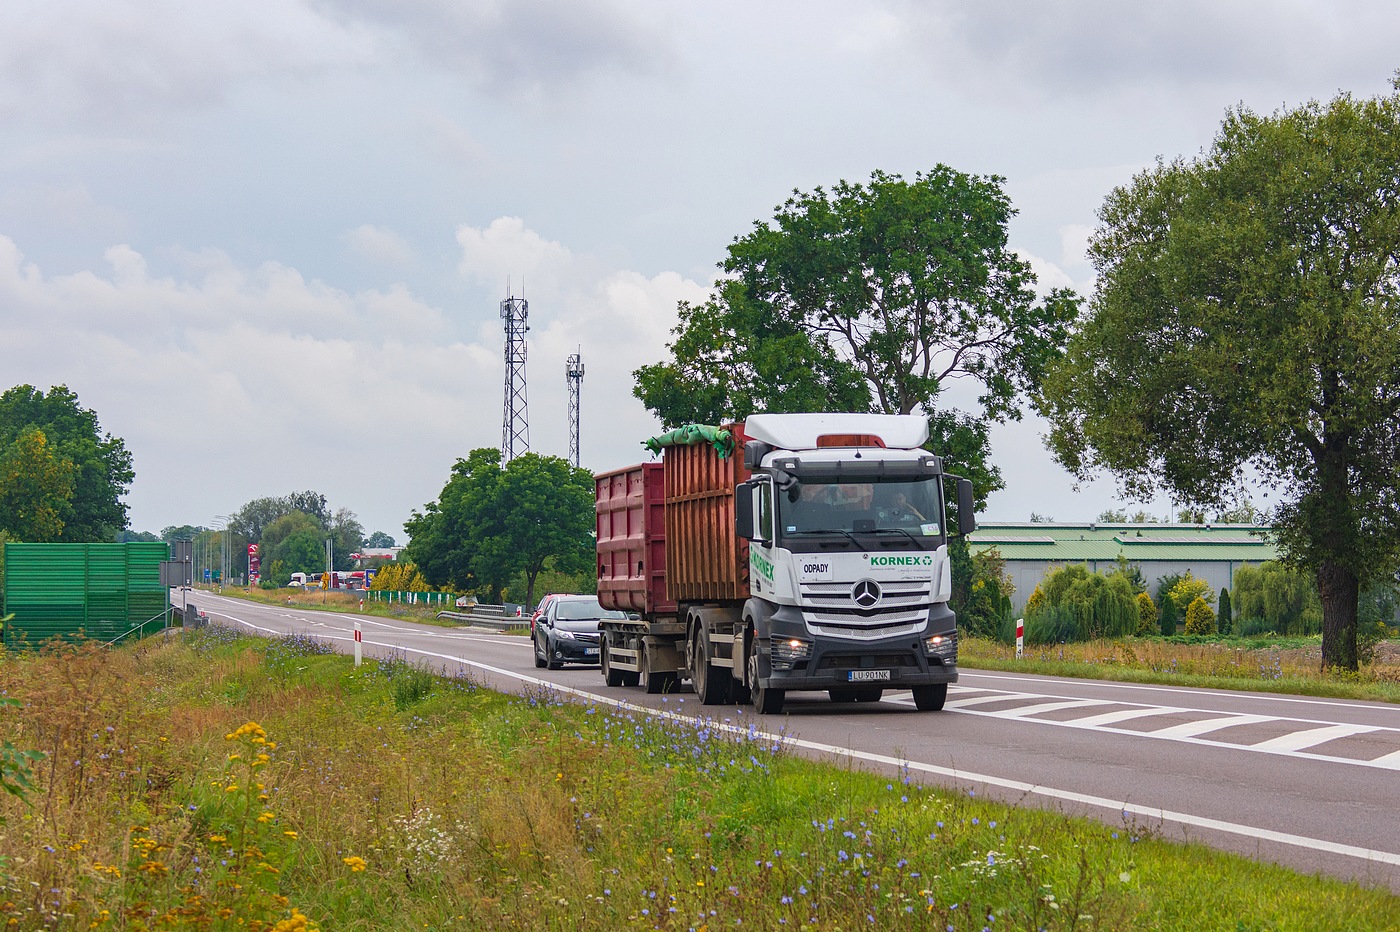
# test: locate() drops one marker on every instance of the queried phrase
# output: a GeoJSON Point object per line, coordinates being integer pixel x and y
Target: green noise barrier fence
{"type": "Point", "coordinates": [98, 591]}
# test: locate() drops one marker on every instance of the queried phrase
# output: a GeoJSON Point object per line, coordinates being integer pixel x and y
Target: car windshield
{"type": "Point", "coordinates": [911, 506]}
{"type": "Point", "coordinates": [584, 610]}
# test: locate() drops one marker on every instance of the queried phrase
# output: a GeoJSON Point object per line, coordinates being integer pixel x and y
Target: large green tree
{"type": "Point", "coordinates": [1248, 316]}
{"type": "Point", "coordinates": [36, 487]}
{"type": "Point", "coordinates": [99, 463]}
{"type": "Point", "coordinates": [869, 297]}
{"type": "Point", "coordinates": [492, 523]}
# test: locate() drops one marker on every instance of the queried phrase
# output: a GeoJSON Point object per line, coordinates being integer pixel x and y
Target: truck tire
{"type": "Point", "coordinates": [869, 694]}
{"type": "Point", "coordinates": [711, 682]}
{"type": "Point", "coordinates": [930, 698]}
{"type": "Point", "coordinates": [655, 683]}
{"type": "Point", "coordinates": [610, 676]}
{"type": "Point", "coordinates": [766, 701]}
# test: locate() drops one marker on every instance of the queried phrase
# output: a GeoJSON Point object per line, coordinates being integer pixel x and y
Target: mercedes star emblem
{"type": "Point", "coordinates": [865, 593]}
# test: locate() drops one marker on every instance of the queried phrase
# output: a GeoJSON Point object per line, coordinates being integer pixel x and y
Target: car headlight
{"type": "Point", "coordinates": [561, 633]}
{"type": "Point", "coordinates": [943, 646]}
{"type": "Point", "coordinates": [788, 652]}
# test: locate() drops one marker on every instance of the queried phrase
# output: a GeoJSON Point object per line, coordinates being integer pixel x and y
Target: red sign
{"type": "Point", "coordinates": [252, 550]}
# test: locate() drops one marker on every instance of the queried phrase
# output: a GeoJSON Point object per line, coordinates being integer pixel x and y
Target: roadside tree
{"type": "Point", "coordinates": [1245, 317]}
{"type": "Point", "coordinates": [492, 523]}
{"type": "Point", "coordinates": [97, 465]}
{"type": "Point", "coordinates": [36, 488]}
{"type": "Point", "coordinates": [870, 297]}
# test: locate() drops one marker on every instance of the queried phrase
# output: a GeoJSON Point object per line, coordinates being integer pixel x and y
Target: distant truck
{"type": "Point", "coordinates": [786, 552]}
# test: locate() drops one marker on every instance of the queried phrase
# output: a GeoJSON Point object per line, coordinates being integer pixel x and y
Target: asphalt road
{"type": "Point", "coordinates": [1310, 783]}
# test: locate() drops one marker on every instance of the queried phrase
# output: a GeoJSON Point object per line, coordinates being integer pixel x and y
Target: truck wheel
{"type": "Point", "coordinates": [711, 682]}
{"type": "Point", "coordinates": [869, 694]}
{"type": "Point", "coordinates": [842, 695]}
{"type": "Point", "coordinates": [655, 683]}
{"type": "Point", "coordinates": [766, 701]}
{"type": "Point", "coordinates": [610, 676]}
{"type": "Point", "coordinates": [930, 698]}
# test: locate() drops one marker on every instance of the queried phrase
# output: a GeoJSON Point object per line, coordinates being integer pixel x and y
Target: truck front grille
{"type": "Point", "coordinates": [829, 609]}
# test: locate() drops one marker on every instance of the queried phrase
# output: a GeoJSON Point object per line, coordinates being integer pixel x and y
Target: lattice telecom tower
{"type": "Point", "coordinates": [573, 371]}
{"type": "Point", "coordinates": [515, 422]}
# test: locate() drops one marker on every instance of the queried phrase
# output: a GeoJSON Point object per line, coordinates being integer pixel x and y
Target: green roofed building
{"type": "Point", "coordinates": [1210, 551]}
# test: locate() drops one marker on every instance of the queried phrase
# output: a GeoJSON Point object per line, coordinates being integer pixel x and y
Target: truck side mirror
{"type": "Point", "coordinates": [743, 511]}
{"type": "Point", "coordinates": [967, 517]}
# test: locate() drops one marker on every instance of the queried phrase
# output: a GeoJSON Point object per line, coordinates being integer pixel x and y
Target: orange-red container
{"type": "Point", "coordinates": [666, 530]}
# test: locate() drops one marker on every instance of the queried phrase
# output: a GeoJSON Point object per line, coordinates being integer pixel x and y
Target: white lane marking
{"type": "Point", "coordinates": [1044, 681]}
{"type": "Point", "coordinates": [1187, 732]}
{"type": "Point", "coordinates": [1206, 726]}
{"type": "Point", "coordinates": [1122, 715]}
{"type": "Point", "coordinates": [1390, 760]}
{"type": "Point", "coordinates": [1312, 737]}
{"type": "Point", "coordinates": [1051, 707]}
{"type": "Point", "coordinates": [977, 700]}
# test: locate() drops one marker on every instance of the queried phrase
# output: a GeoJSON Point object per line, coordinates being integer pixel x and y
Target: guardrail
{"type": "Point", "coordinates": [499, 620]}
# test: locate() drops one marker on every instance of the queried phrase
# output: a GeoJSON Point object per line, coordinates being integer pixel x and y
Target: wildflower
{"type": "Point", "coordinates": [355, 863]}
{"type": "Point", "coordinates": [291, 835]}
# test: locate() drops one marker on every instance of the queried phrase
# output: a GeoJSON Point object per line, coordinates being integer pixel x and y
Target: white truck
{"type": "Point", "coordinates": [786, 552]}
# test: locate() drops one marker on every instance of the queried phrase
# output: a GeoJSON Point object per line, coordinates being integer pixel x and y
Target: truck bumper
{"type": "Point", "coordinates": [891, 663]}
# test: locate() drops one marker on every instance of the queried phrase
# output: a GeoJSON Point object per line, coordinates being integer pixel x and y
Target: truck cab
{"type": "Point", "coordinates": [848, 560]}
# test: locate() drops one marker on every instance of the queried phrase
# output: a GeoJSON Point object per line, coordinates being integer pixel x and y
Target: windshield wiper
{"type": "Point", "coordinates": [826, 530]}
{"type": "Point", "coordinates": [893, 530]}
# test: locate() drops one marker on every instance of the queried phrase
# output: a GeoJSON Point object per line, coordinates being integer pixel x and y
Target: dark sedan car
{"type": "Point", "coordinates": [567, 632]}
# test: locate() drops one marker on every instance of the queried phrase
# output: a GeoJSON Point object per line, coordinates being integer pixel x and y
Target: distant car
{"type": "Point", "coordinates": [567, 632]}
{"type": "Point", "coordinates": [539, 609]}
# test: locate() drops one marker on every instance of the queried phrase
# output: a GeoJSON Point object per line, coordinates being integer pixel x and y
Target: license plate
{"type": "Point", "coordinates": [866, 676]}
{"type": "Point", "coordinates": [590, 651]}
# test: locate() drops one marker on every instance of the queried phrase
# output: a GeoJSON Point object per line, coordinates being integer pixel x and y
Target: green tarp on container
{"type": "Point", "coordinates": [691, 435]}
{"type": "Point", "coordinates": [99, 591]}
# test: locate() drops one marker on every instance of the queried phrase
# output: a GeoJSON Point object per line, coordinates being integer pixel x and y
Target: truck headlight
{"type": "Point", "coordinates": [788, 652]}
{"type": "Point", "coordinates": [944, 647]}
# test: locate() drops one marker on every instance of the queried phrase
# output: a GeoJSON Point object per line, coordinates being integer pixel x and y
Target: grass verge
{"type": "Point", "coordinates": [224, 782]}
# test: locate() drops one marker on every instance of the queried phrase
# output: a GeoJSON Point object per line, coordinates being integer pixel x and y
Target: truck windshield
{"type": "Point", "coordinates": [911, 506]}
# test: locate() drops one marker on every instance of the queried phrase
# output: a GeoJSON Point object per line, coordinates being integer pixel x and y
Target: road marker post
{"type": "Point", "coordinates": [1020, 636]}
{"type": "Point", "coordinates": [358, 638]}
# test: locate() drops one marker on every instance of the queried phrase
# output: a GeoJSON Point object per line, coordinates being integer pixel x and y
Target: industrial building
{"type": "Point", "coordinates": [1210, 551]}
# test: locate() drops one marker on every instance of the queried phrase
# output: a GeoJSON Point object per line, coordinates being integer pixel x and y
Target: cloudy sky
{"type": "Point", "coordinates": [267, 242]}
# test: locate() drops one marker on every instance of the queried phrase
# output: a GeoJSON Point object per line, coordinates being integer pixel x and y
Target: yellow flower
{"type": "Point", "coordinates": [290, 834]}
{"type": "Point", "coordinates": [355, 863]}
{"type": "Point", "coordinates": [217, 838]}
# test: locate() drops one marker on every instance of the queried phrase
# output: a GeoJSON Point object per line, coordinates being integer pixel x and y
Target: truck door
{"type": "Point", "coordinates": [761, 564]}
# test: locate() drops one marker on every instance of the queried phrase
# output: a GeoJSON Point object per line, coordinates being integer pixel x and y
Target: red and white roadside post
{"type": "Point", "coordinates": [1020, 636]}
{"type": "Point", "coordinates": [360, 637]}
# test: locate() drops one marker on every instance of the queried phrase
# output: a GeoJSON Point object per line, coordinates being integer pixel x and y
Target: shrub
{"type": "Point", "coordinates": [1188, 589]}
{"type": "Point", "coordinates": [1226, 617]}
{"type": "Point", "coordinates": [1097, 606]}
{"type": "Point", "coordinates": [1167, 618]}
{"type": "Point", "coordinates": [1199, 617]}
{"type": "Point", "coordinates": [1147, 614]}
{"type": "Point", "coordinates": [1283, 599]}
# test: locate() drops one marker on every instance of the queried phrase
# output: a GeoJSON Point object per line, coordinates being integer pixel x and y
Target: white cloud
{"type": "Point", "coordinates": [380, 245]}
{"type": "Point", "coordinates": [1074, 244]}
